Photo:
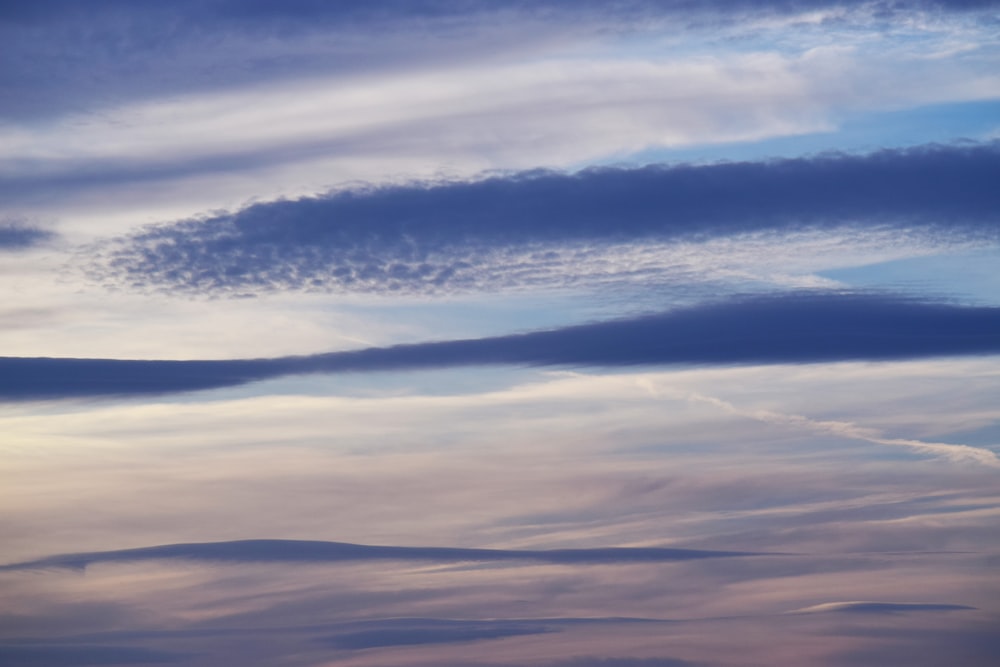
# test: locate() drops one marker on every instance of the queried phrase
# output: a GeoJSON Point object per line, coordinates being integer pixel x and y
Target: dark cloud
{"type": "Point", "coordinates": [794, 328]}
{"type": "Point", "coordinates": [426, 238]}
{"type": "Point", "coordinates": [46, 655]}
{"type": "Point", "coordinates": [20, 236]}
{"type": "Point", "coordinates": [303, 551]}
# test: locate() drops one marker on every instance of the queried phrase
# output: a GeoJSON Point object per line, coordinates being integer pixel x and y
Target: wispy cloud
{"type": "Point", "coordinates": [949, 451]}
{"type": "Point", "coordinates": [879, 607]}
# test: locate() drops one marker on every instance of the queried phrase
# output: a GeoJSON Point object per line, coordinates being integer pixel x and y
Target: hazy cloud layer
{"type": "Point", "coordinates": [789, 328]}
{"type": "Point", "coordinates": [427, 238]}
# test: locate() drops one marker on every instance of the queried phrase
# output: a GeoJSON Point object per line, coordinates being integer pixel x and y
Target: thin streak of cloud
{"type": "Point", "coordinates": [866, 607]}
{"type": "Point", "coordinates": [948, 451]}
{"type": "Point", "coordinates": [303, 551]}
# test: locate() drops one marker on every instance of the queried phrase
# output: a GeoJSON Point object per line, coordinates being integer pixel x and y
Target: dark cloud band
{"type": "Point", "coordinates": [437, 237]}
{"type": "Point", "coordinates": [798, 328]}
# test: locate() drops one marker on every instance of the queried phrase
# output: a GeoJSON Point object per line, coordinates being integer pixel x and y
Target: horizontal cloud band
{"type": "Point", "coordinates": [305, 551]}
{"type": "Point", "coordinates": [794, 328]}
{"type": "Point", "coordinates": [434, 236]}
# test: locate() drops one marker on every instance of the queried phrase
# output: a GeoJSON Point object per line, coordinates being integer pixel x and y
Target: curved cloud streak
{"type": "Point", "coordinates": [878, 607]}
{"type": "Point", "coordinates": [305, 551]}
{"type": "Point", "coordinates": [426, 238]}
{"type": "Point", "coordinates": [794, 328]}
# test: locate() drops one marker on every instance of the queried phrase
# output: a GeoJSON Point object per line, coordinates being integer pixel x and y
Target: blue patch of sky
{"type": "Point", "coordinates": [970, 276]}
{"type": "Point", "coordinates": [986, 437]}
{"type": "Point", "coordinates": [395, 383]}
{"type": "Point", "coordinates": [856, 132]}
{"type": "Point", "coordinates": [473, 317]}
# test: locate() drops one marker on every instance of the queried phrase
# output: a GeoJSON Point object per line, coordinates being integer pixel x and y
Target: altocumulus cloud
{"type": "Point", "coordinates": [788, 328]}
{"type": "Point", "coordinates": [509, 231]}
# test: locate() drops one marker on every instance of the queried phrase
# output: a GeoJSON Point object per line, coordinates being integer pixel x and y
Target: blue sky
{"type": "Point", "coordinates": [500, 333]}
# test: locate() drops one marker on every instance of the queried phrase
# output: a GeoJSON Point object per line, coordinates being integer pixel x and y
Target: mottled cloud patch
{"type": "Point", "coordinates": [786, 328]}
{"type": "Point", "coordinates": [435, 238]}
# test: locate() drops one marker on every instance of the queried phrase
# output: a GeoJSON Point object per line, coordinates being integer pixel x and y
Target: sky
{"type": "Point", "coordinates": [486, 333]}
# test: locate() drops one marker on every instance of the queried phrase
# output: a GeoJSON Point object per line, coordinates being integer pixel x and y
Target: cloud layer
{"type": "Point", "coordinates": [300, 551]}
{"type": "Point", "coordinates": [790, 328]}
{"type": "Point", "coordinates": [70, 58]}
{"type": "Point", "coordinates": [427, 238]}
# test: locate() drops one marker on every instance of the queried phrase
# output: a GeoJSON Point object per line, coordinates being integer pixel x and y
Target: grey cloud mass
{"type": "Point", "coordinates": [428, 238]}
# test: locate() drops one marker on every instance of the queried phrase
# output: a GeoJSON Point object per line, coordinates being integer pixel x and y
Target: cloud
{"type": "Point", "coordinates": [786, 328]}
{"type": "Point", "coordinates": [950, 451]}
{"type": "Point", "coordinates": [596, 661]}
{"type": "Point", "coordinates": [976, 645]}
{"type": "Point", "coordinates": [302, 551]}
{"type": "Point", "coordinates": [414, 632]}
{"type": "Point", "coordinates": [71, 58]}
{"type": "Point", "coordinates": [54, 655]}
{"type": "Point", "coordinates": [20, 236]}
{"type": "Point", "coordinates": [66, 56]}
{"type": "Point", "coordinates": [528, 226]}
{"type": "Point", "coordinates": [878, 607]}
